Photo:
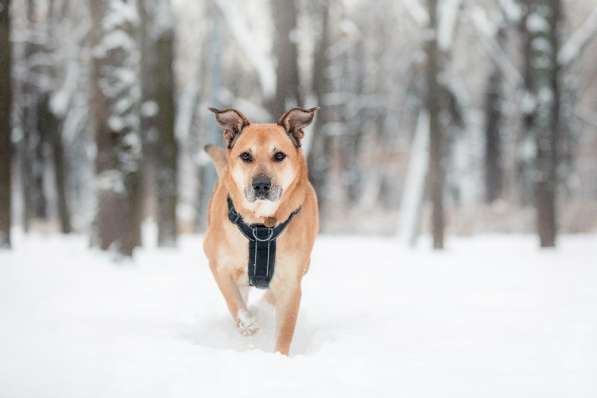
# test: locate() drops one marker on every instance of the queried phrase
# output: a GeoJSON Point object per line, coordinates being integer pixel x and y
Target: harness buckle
{"type": "Point", "coordinates": [255, 231]}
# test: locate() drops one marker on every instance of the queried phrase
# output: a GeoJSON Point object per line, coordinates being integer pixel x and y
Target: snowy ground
{"type": "Point", "coordinates": [491, 317]}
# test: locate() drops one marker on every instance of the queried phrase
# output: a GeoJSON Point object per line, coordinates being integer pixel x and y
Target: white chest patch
{"type": "Point", "coordinates": [265, 208]}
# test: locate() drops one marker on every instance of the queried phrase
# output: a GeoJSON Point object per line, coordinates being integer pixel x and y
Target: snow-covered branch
{"type": "Point", "coordinates": [511, 10]}
{"type": "Point", "coordinates": [416, 11]}
{"type": "Point", "coordinates": [448, 11]}
{"type": "Point", "coordinates": [487, 32]}
{"type": "Point", "coordinates": [579, 40]}
{"type": "Point", "coordinates": [259, 57]}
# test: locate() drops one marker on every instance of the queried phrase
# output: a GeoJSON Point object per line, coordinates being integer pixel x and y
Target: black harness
{"type": "Point", "coordinates": [262, 246]}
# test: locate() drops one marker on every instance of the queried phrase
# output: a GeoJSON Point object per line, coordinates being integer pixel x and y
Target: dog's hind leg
{"type": "Point", "coordinates": [244, 320]}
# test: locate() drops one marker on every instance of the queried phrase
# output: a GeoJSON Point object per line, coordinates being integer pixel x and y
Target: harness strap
{"type": "Point", "coordinates": [262, 246]}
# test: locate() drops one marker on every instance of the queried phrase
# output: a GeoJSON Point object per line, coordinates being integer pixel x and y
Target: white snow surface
{"type": "Point", "coordinates": [492, 316]}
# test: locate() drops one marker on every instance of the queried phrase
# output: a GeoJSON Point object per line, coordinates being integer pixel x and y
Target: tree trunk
{"type": "Point", "coordinates": [5, 125]}
{"type": "Point", "coordinates": [213, 47]}
{"type": "Point", "coordinates": [52, 123]}
{"type": "Point", "coordinates": [434, 107]}
{"type": "Point", "coordinates": [524, 159]}
{"type": "Point", "coordinates": [60, 175]}
{"type": "Point", "coordinates": [158, 116]}
{"type": "Point", "coordinates": [28, 99]}
{"type": "Point", "coordinates": [288, 93]}
{"type": "Point", "coordinates": [115, 103]}
{"type": "Point", "coordinates": [543, 85]}
{"type": "Point", "coordinates": [167, 176]}
{"type": "Point", "coordinates": [321, 143]}
{"type": "Point", "coordinates": [34, 132]}
{"type": "Point", "coordinates": [493, 128]}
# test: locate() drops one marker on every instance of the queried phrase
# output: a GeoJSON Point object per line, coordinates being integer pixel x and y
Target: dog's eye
{"type": "Point", "coordinates": [246, 157]}
{"type": "Point", "coordinates": [279, 156]}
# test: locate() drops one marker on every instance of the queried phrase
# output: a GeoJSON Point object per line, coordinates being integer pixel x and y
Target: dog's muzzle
{"type": "Point", "coordinates": [262, 188]}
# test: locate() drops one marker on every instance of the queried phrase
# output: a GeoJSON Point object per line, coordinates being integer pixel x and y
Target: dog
{"type": "Point", "coordinates": [263, 202]}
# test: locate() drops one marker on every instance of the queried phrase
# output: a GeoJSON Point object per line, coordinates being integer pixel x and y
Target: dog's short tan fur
{"type": "Point", "coordinates": [227, 249]}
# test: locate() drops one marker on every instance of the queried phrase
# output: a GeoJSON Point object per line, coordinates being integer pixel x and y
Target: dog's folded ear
{"type": "Point", "coordinates": [233, 122]}
{"type": "Point", "coordinates": [295, 120]}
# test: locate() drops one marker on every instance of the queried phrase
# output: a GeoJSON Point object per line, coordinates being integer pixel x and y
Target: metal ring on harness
{"type": "Point", "coordinates": [271, 233]}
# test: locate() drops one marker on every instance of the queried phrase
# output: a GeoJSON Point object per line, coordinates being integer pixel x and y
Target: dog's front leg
{"type": "Point", "coordinates": [287, 303]}
{"type": "Point", "coordinates": [237, 306]}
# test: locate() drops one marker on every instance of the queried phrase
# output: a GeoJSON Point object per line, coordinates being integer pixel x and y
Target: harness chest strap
{"type": "Point", "coordinates": [262, 246]}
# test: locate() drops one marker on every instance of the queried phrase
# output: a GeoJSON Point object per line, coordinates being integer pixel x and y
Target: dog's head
{"type": "Point", "coordinates": [264, 159]}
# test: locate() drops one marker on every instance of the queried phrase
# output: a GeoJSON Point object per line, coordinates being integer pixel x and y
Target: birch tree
{"type": "Point", "coordinates": [116, 97]}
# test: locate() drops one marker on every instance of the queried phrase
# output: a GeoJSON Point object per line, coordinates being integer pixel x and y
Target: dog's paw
{"type": "Point", "coordinates": [247, 323]}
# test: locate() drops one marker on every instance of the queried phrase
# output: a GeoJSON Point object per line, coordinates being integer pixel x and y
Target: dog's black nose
{"type": "Point", "coordinates": [262, 185]}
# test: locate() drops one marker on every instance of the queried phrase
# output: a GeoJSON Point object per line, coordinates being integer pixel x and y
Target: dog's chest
{"type": "Point", "coordinates": [233, 254]}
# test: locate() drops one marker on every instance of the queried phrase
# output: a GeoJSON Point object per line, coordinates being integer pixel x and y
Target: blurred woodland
{"type": "Point", "coordinates": [437, 116]}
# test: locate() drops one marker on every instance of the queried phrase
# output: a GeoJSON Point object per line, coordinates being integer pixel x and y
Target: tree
{"type": "Point", "coordinates": [288, 88]}
{"type": "Point", "coordinates": [433, 103]}
{"type": "Point", "coordinates": [494, 173]}
{"type": "Point", "coordinates": [158, 115]}
{"type": "Point", "coordinates": [320, 143]}
{"type": "Point", "coordinates": [51, 120]}
{"type": "Point", "coordinates": [115, 103]}
{"type": "Point", "coordinates": [5, 124]}
{"type": "Point", "coordinates": [212, 72]}
{"type": "Point", "coordinates": [542, 84]}
{"type": "Point", "coordinates": [37, 129]}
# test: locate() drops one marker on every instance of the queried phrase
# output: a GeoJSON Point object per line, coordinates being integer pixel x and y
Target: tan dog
{"type": "Point", "coordinates": [264, 172]}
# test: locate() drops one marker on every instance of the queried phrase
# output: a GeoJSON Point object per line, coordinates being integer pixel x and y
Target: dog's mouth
{"type": "Point", "coordinates": [273, 194]}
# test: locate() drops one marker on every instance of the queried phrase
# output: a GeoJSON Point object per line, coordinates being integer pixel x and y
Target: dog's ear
{"type": "Point", "coordinates": [233, 122]}
{"type": "Point", "coordinates": [295, 120]}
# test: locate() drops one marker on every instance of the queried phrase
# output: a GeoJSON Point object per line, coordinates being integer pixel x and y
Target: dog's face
{"type": "Point", "coordinates": [264, 159]}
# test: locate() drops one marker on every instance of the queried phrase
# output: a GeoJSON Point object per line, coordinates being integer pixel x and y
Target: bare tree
{"type": "Point", "coordinates": [5, 124]}
{"type": "Point", "coordinates": [434, 107]}
{"type": "Point", "coordinates": [158, 112]}
{"type": "Point", "coordinates": [288, 88]}
{"type": "Point", "coordinates": [34, 201]}
{"type": "Point", "coordinates": [52, 121]}
{"type": "Point", "coordinates": [320, 144]}
{"type": "Point", "coordinates": [494, 173]}
{"type": "Point", "coordinates": [542, 83]}
{"type": "Point", "coordinates": [115, 103]}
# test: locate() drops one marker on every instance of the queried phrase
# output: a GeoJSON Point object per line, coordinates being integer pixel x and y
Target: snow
{"type": "Point", "coordinates": [150, 108]}
{"type": "Point", "coordinates": [492, 316]}
{"type": "Point", "coordinates": [120, 13]}
{"type": "Point", "coordinates": [537, 23]}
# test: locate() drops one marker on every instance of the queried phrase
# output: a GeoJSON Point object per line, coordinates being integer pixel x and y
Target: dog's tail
{"type": "Point", "coordinates": [218, 156]}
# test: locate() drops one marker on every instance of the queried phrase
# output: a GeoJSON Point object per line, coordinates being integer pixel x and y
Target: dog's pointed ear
{"type": "Point", "coordinates": [295, 120]}
{"type": "Point", "coordinates": [233, 122]}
